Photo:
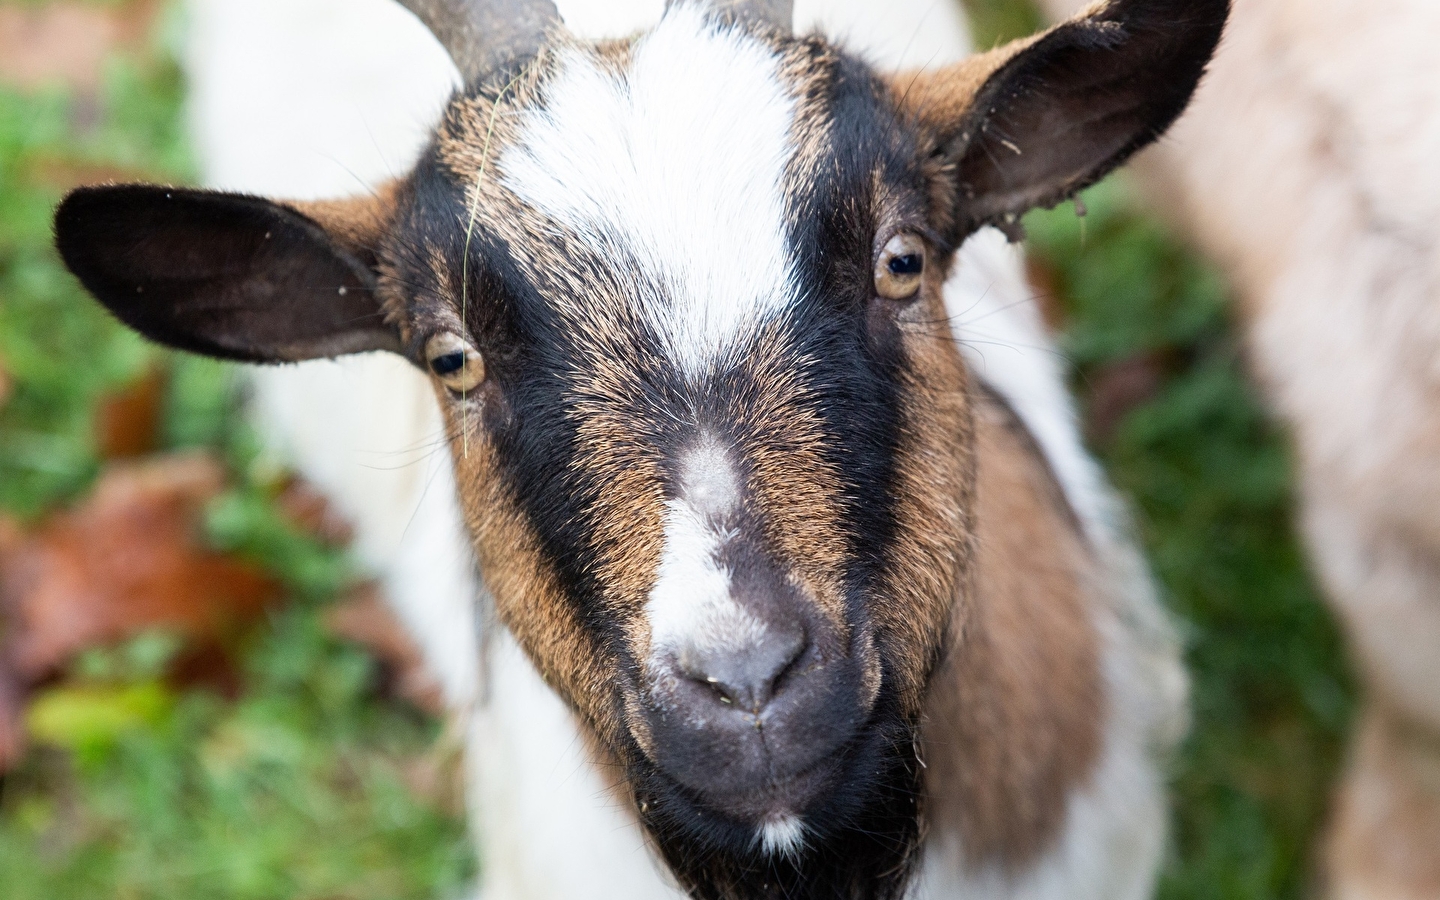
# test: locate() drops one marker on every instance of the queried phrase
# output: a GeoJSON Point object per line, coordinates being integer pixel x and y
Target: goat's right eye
{"type": "Point", "coordinates": [458, 365]}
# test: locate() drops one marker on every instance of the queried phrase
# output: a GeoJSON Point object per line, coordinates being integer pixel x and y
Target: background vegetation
{"type": "Point", "coordinates": [302, 779]}
{"type": "Point", "coordinates": [305, 780]}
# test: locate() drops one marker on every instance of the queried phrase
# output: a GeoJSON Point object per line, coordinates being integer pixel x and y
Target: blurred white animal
{"type": "Point", "coordinates": [1307, 165]}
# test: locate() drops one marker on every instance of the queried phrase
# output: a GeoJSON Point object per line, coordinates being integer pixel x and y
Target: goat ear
{"type": "Point", "coordinates": [229, 275]}
{"type": "Point", "coordinates": [1034, 122]}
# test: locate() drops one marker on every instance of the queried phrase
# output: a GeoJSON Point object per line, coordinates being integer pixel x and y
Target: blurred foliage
{"type": "Point", "coordinates": [1209, 475]}
{"type": "Point", "coordinates": [62, 351]}
{"type": "Point", "coordinates": [303, 784]}
{"type": "Point", "coordinates": [993, 22]}
{"type": "Point", "coordinates": [304, 787]}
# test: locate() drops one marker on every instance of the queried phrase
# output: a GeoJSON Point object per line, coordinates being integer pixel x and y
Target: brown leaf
{"type": "Point", "coordinates": [310, 511]}
{"type": "Point", "coordinates": [7, 384]}
{"type": "Point", "coordinates": [11, 535]}
{"type": "Point", "coordinates": [129, 559]}
{"type": "Point", "coordinates": [63, 174]}
{"type": "Point", "coordinates": [67, 41]}
{"type": "Point", "coordinates": [1046, 290]}
{"type": "Point", "coordinates": [12, 718]}
{"type": "Point", "coordinates": [364, 618]}
{"type": "Point", "coordinates": [1119, 387]}
{"type": "Point", "coordinates": [437, 776]}
{"type": "Point", "coordinates": [127, 423]}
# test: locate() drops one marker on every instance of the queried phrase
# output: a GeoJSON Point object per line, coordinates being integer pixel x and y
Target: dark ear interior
{"type": "Point", "coordinates": [1066, 108]}
{"type": "Point", "coordinates": [226, 275]}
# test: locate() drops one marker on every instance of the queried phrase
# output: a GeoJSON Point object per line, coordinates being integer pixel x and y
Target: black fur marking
{"type": "Point", "coordinates": [225, 275]}
{"type": "Point", "coordinates": [1069, 109]}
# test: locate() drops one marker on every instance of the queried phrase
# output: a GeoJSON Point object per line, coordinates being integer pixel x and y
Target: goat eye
{"type": "Point", "coordinates": [458, 365]}
{"type": "Point", "coordinates": [899, 269]}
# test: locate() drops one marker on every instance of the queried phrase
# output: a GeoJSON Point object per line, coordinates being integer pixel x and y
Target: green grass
{"type": "Point", "coordinates": [308, 784]}
{"type": "Point", "coordinates": [304, 786]}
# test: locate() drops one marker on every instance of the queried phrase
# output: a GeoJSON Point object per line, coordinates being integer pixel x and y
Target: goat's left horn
{"type": "Point", "coordinates": [482, 35]}
{"type": "Point", "coordinates": [778, 14]}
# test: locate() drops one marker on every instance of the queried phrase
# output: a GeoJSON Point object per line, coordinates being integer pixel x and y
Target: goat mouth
{"type": "Point", "coordinates": [742, 824]}
{"type": "Point", "coordinates": [790, 795]}
{"type": "Point", "coordinates": [850, 816]}
{"type": "Point", "coordinates": [829, 782]}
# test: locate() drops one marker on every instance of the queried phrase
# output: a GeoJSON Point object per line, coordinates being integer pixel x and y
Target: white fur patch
{"type": "Point", "coordinates": [553, 828]}
{"type": "Point", "coordinates": [708, 481]}
{"type": "Point", "coordinates": [782, 836]}
{"type": "Point", "coordinates": [681, 159]}
{"type": "Point", "coordinates": [690, 607]}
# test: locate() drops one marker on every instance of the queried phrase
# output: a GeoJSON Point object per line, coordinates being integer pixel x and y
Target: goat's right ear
{"type": "Point", "coordinates": [229, 275]}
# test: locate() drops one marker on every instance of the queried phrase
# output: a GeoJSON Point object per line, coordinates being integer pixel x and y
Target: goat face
{"type": "Point", "coordinates": [699, 472]}
{"type": "Point", "coordinates": [680, 297]}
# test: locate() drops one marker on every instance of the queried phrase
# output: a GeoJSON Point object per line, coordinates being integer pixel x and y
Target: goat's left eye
{"type": "Point", "coordinates": [900, 267]}
{"type": "Point", "coordinates": [458, 365]}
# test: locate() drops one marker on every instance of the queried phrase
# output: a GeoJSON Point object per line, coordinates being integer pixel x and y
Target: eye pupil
{"type": "Point", "coordinates": [455, 361]}
{"type": "Point", "coordinates": [909, 264]}
{"type": "Point", "coordinates": [448, 364]}
{"type": "Point", "coordinates": [899, 267]}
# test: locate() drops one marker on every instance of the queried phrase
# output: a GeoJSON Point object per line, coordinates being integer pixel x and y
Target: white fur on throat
{"type": "Point", "coordinates": [677, 166]}
{"type": "Point", "coordinates": [783, 836]}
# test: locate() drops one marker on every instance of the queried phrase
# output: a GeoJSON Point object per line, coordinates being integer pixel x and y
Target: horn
{"type": "Point", "coordinates": [482, 35]}
{"type": "Point", "coordinates": [778, 14]}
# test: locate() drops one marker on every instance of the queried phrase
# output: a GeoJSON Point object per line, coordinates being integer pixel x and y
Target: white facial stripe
{"type": "Point", "coordinates": [783, 836]}
{"type": "Point", "coordinates": [708, 481]}
{"type": "Point", "coordinates": [682, 158]}
{"type": "Point", "coordinates": [691, 607]}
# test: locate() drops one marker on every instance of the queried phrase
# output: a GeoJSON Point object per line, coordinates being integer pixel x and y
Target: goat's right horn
{"type": "Point", "coordinates": [778, 14]}
{"type": "Point", "coordinates": [482, 35]}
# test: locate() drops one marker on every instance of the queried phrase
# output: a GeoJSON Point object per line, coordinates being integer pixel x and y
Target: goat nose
{"type": "Point", "coordinates": [746, 675]}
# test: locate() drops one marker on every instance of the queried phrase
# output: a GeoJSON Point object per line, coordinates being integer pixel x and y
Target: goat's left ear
{"type": "Point", "coordinates": [229, 275]}
{"type": "Point", "coordinates": [1031, 123]}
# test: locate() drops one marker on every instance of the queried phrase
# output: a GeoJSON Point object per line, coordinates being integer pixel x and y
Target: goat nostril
{"type": "Point", "coordinates": [746, 677]}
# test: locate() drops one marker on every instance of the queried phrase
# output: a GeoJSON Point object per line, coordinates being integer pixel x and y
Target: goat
{"type": "Point", "coordinates": [1306, 169]}
{"type": "Point", "coordinates": [803, 604]}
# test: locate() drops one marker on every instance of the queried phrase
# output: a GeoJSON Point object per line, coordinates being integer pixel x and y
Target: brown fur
{"type": "Point", "coordinates": [935, 100]}
{"type": "Point", "coordinates": [358, 224]}
{"type": "Point", "coordinates": [1014, 716]}
{"type": "Point", "coordinates": [927, 581]}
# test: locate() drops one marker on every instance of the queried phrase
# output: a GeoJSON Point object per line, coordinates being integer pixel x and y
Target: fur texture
{"type": "Point", "coordinates": [664, 251]}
